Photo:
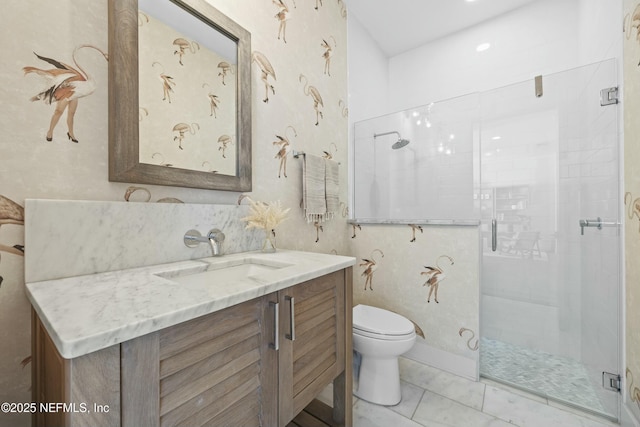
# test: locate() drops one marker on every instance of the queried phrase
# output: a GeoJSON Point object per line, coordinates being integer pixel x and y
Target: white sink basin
{"type": "Point", "coordinates": [222, 273]}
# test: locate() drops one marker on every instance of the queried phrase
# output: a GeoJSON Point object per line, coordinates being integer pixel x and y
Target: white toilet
{"type": "Point", "coordinates": [380, 336]}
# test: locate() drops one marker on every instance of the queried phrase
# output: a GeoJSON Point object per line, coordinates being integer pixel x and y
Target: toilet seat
{"type": "Point", "coordinates": [381, 324]}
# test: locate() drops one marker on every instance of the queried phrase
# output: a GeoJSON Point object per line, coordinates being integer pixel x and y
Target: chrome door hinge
{"type": "Point", "coordinates": [611, 381]}
{"type": "Point", "coordinates": [609, 96]}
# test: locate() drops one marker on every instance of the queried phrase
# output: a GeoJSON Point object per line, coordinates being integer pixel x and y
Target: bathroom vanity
{"type": "Point", "coordinates": [245, 339]}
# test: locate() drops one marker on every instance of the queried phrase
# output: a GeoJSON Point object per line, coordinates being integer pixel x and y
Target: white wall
{"type": "Point", "coordinates": [544, 37]}
{"type": "Point", "coordinates": [368, 83]}
{"type": "Point", "coordinates": [368, 74]}
{"type": "Point", "coordinates": [540, 38]}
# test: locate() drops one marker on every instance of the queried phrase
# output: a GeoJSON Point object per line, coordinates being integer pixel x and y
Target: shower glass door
{"type": "Point", "coordinates": [550, 288]}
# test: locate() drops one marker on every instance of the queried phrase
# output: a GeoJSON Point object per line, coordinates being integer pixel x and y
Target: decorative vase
{"type": "Point", "coordinates": [269, 244]}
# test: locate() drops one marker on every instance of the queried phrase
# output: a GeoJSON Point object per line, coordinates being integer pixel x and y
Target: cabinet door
{"type": "Point", "coordinates": [214, 370]}
{"type": "Point", "coordinates": [48, 376]}
{"type": "Point", "coordinates": [312, 341]}
{"type": "Point", "coordinates": [88, 386]}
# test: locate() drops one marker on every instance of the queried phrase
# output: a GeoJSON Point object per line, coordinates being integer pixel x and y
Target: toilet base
{"type": "Point", "coordinates": [379, 381]}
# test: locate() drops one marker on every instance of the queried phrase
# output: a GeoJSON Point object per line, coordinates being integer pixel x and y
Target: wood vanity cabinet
{"type": "Point", "coordinates": [312, 353]}
{"type": "Point", "coordinates": [220, 369]}
{"type": "Point", "coordinates": [93, 378]}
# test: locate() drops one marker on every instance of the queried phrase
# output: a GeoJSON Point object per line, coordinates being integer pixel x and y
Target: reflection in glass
{"type": "Point", "coordinates": [187, 91]}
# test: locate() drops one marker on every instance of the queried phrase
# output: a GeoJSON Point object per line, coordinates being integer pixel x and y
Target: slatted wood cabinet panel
{"type": "Point", "coordinates": [216, 370]}
{"type": "Point", "coordinates": [312, 347]}
{"type": "Point", "coordinates": [221, 369]}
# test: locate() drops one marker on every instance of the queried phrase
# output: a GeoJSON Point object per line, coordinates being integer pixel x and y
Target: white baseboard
{"type": "Point", "coordinates": [437, 358]}
{"type": "Point", "coordinates": [628, 418]}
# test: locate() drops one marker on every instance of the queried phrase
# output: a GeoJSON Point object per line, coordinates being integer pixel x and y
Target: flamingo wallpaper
{"type": "Point", "coordinates": [428, 274]}
{"type": "Point", "coordinates": [191, 78]}
{"type": "Point", "coordinates": [55, 145]}
{"type": "Point", "coordinates": [55, 121]}
{"type": "Point", "coordinates": [63, 86]}
{"type": "Point", "coordinates": [632, 202]}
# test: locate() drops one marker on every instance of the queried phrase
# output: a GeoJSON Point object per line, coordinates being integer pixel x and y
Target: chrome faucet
{"type": "Point", "coordinates": [215, 238]}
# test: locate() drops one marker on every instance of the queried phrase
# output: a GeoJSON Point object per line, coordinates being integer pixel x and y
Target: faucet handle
{"type": "Point", "coordinates": [192, 238]}
{"type": "Point", "coordinates": [216, 235]}
{"type": "Point", "coordinates": [215, 238]}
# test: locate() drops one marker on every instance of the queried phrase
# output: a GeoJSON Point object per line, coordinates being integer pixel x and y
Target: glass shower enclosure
{"type": "Point", "coordinates": [549, 197]}
{"type": "Point", "coordinates": [430, 178]}
{"type": "Point", "coordinates": [536, 165]}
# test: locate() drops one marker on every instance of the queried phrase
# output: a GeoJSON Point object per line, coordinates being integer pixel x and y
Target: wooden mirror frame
{"type": "Point", "coordinates": [124, 154]}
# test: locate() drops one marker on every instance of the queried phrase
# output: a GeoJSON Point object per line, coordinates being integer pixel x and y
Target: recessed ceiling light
{"type": "Point", "coordinates": [482, 47]}
{"type": "Point", "coordinates": [496, 137]}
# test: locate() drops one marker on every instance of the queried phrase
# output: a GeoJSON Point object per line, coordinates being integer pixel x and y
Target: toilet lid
{"type": "Point", "coordinates": [378, 321]}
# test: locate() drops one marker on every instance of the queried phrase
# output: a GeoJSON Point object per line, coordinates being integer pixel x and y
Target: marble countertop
{"type": "Point", "coordinates": [87, 313]}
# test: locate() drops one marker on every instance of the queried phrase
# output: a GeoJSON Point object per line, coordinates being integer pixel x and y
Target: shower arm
{"type": "Point", "coordinates": [375, 135]}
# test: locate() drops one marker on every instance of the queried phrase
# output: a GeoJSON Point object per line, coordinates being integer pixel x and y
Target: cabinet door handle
{"type": "Point", "coordinates": [276, 328]}
{"type": "Point", "coordinates": [292, 335]}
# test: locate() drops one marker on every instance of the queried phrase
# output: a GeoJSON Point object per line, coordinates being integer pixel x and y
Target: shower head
{"type": "Point", "coordinates": [396, 145]}
{"type": "Point", "coordinates": [400, 143]}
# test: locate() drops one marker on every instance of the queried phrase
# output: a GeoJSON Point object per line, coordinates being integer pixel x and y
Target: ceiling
{"type": "Point", "coordinates": [401, 25]}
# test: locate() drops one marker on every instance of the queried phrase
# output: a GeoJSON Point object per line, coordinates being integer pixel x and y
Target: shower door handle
{"type": "Point", "coordinates": [598, 223]}
{"type": "Point", "coordinates": [494, 235]}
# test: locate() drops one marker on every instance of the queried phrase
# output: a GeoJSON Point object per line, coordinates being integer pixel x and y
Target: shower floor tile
{"type": "Point", "coordinates": [553, 376]}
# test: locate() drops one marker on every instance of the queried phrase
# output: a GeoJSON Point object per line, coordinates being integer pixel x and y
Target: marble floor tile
{"type": "Point", "coordinates": [436, 410]}
{"type": "Point", "coordinates": [580, 413]}
{"type": "Point", "coordinates": [366, 414]}
{"type": "Point", "coordinates": [435, 398]}
{"type": "Point", "coordinates": [525, 412]}
{"type": "Point", "coordinates": [416, 373]}
{"type": "Point", "coordinates": [514, 390]}
{"type": "Point", "coordinates": [454, 387]}
{"type": "Point", "coordinates": [411, 396]}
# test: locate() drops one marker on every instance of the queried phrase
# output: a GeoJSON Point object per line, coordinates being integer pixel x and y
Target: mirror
{"type": "Point", "coordinates": [179, 95]}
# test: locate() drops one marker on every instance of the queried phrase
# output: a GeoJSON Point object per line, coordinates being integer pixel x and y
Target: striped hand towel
{"type": "Point", "coordinates": [332, 187]}
{"type": "Point", "coordinates": [313, 188]}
